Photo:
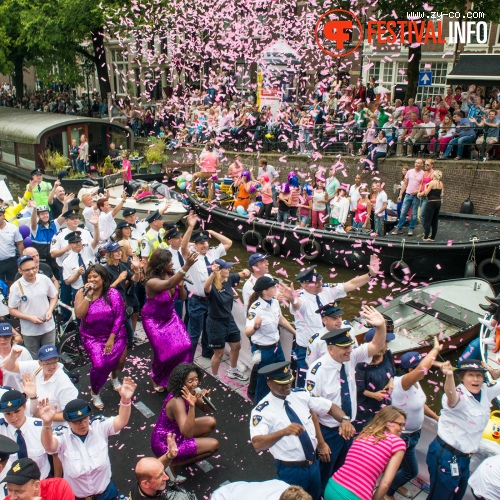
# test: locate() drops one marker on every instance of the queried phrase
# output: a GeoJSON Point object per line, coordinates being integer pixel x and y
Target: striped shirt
{"type": "Point", "coordinates": [295, 195]}
{"type": "Point", "coordinates": [365, 462]}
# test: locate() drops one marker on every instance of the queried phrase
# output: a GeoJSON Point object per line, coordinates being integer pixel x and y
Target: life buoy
{"type": "Point", "coordinates": [271, 246]}
{"type": "Point", "coordinates": [252, 239]}
{"type": "Point", "coordinates": [489, 269]}
{"type": "Point", "coordinates": [400, 271]}
{"type": "Point", "coordinates": [147, 199]}
{"type": "Point", "coordinates": [470, 269]}
{"type": "Point", "coordinates": [310, 249]}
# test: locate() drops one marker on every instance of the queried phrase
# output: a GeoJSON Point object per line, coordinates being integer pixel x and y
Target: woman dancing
{"type": "Point", "coordinates": [165, 330]}
{"type": "Point", "coordinates": [102, 329]}
{"type": "Point", "coordinates": [178, 417]}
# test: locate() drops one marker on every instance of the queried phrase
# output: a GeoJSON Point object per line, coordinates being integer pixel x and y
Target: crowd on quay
{"type": "Point", "coordinates": [350, 419]}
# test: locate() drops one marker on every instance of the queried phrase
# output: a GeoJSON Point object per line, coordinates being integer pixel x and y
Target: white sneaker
{"type": "Point", "coordinates": [97, 401]}
{"type": "Point", "coordinates": [116, 383]}
{"type": "Point", "coordinates": [486, 323]}
{"type": "Point", "coordinates": [174, 479]}
{"type": "Point", "coordinates": [237, 375]}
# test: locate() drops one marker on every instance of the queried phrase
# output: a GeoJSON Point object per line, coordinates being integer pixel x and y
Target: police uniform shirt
{"type": "Point", "coordinates": [11, 379]}
{"type": "Point", "coordinates": [485, 480]}
{"type": "Point", "coordinates": [33, 299]}
{"type": "Point", "coordinates": [9, 236]}
{"type": "Point", "coordinates": [70, 264]}
{"type": "Point", "coordinates": [242, 490]}
{"type": "Point", "coordinates": [198, 272]}
{"type": "Point", "coordinates": [270, 416]}
{"type": "Point", "coordinates": [270, 313]}
{"type": "Point", "coordinates": [86, 465]}
{"type": "Point", "coordinates": [107, 226]}
{"type": "Point", "coordinates": [175, 258]}
{"type": "Point", "coordinates": [323, 379]}
{"type": "Point", "coordinates": [462, 426]}
{"type": "Point", "coordinates": [145, 250]}
{"type": "Point", "coordinates": [317, 346]}
{"type": "Point", "coordinates": [58, 388]}
{"type": "Point", "coordinates": [307, 320]}
{"type": "Point", "coordinates": [32, 433]}
{"type": "Point", "coordinates": [248, 289]}
{"type": "Point", "coordinates": [58, 243]}
{"type": "Point", "coordinates": [139, 230]}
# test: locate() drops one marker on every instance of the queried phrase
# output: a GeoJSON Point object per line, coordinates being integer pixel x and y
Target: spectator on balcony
{"type": "Point", "coordinates": [491, 129]}
{"type": "Point", "coordinates": [407, 131]}
{"type": "Point", "coordinates": [411, 109]}
{"type": "Point", "coordinates": [421, 134]}
{"type": "Point", "coordinates": [446, 134]}
{"type": "Point", "coordinates": [464, 134]}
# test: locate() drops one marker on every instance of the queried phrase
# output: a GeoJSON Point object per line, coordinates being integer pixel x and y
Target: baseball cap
{"type": "Point", "coordinates": [22, 471]}
{"type": "Point", "coordinates": [256, 257]}
{"type": "Point", "coordinates": [47, 352]}
{"type": "Point", "coordinates": [23, 259]}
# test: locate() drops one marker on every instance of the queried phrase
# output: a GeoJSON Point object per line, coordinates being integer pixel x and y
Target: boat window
{"type": "Point", "coordinates": [26, 154]}
{"type": "Point", "coordinates": [8, 152]}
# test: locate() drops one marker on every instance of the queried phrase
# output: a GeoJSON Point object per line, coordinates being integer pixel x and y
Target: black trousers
{"type": "Point", "coordinates": [431, 219]}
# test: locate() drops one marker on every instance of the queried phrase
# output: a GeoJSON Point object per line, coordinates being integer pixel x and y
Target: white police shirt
{"type": "Point", "coordinates": [12, 379]}
{"type": "Point", "coordinates": [198, 272]}
{"type": "Point", "coordinates": [485, 480]}
{"type": "Point", "coordinates": [307, 320]}
{"type": "Point", "coordinates": [58, 388]}
{"type": "Point", "coordinates": [9, 237]}
{"type": "Point", "coordinates": [70, 264]}
{"type": "Point", "coordinates": [317, 346]}
{"type": "Point", "coordinates": [32, 433]}
{"type": "Point", "coordinates": [270, 313]}
{"type": "Point", "coordinates": [247, 290]}
{"type": "Point", "coordinates": [86, 465]}
{"type": "Point", "coordinates": [270, 416]}
{"type": "Point", "coordinates": [462, 426]}
{"type": "Point", "coordinates": [175, 258]}
{"type": "Point", "coordinates": [58, 242]}
{"type": "Point", "coordinates": [139, 230]}
{"type": "Point", "coordinates": [323, 379]}
{"type": "Point", "coordinates": [242, 490]}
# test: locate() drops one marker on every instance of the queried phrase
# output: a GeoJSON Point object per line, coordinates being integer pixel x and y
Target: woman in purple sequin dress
{"type": "Point", "coordinates": [165, 330]}
{"type": "Point", "coordinates": [102, 329]}
{"type": "Point", "coordinates": [178, 416]}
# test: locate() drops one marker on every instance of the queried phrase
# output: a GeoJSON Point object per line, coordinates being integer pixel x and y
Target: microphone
{"type": "Point", "coordinates": [187, 280]}
{"type": "Point", "coordinates": [206, 400]}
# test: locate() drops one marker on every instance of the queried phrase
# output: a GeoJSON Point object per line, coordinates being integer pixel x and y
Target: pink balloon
{"type": "Point", "coordinates": [27, 241]}
{"type": "Point", "coordinates": [25, 231]}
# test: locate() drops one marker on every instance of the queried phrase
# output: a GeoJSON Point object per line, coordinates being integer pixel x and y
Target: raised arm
{"type": "Point", "coordinates": [207, 287]}
{"type": "Point", "coordinates": [126, 392]}
{"type": "Point", "coordinates": [47, 414]}
{"type": "Point", "coordinates": [53, 191]}
{"type": "Point", "coordinates": [226, 242]}
{"type": "Point", "coordinates": [191, 220]}
{"type": "Point", "coordinates": [94, 220]}
{"type": "Point", "coordinates": [359, 281]}
{"type": "Point", "coordinates": [157, 285]}
{"type": "Point", "coordinates": [450, 389]}
{"type": "Point", "coordinates": [378, 321]}
{"type": "Point", "coordinates": [119, 205]}
{"type": "Point", "coordinates": [10, 363]}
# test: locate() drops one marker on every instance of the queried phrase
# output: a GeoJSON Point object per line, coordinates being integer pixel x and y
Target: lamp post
{"type": "Point", "coordinates": [88, 69]}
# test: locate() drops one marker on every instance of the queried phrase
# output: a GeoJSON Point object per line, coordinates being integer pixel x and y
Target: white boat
{"type": "Point", "coordinates": [174, 213]}
{"type": "Point", "coordinates": [448, 308]}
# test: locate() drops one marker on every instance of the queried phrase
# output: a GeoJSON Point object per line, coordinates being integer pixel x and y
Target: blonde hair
{"type": "Point", "coordinates": [218, 281]}
{"type": "Point", "coordinates": [125, 249]}
{"type": "Point", "coordinates": [145, 186]}
{"type": "Point", "coordinates": [85, 196]}
{"type": "Point", "coordinates": [438, 175]}
{"type": "Point", "coordinates": [378, 426]}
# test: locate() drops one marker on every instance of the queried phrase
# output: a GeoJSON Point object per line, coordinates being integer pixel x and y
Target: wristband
{"type": "Point", "coordinates": [36, 397]}
{"type": "Point", "coordinates": [88, 299]}
{"type": "Point", "coordinates": [182, 271]}
{"type": "Point", "coordinates": [122, 403]}
{"type": "Point", "coordinates": [46, 427]}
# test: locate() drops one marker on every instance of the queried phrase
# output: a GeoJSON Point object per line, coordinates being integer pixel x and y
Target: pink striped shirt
{"type": "Point", "coordinates": [295, 192]}
{"type": "Point", "coordinates": [365, 462]}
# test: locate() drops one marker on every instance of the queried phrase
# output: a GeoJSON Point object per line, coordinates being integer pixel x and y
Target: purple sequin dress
{"type": "Point", "coordinates": [101, 320]}
{"type": "Point", "coordinates": [164, 425]}
{"type": "Point", "coordinates": [167, 335]}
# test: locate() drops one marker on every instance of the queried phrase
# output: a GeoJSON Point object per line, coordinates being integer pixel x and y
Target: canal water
{"type": "Point", "coordinates": [286, 269]}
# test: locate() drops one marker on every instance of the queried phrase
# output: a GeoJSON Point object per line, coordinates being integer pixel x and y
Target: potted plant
{"type": "Point", "coordinates": [54, 162]}
{"type": "Point", "coordinates": [108, 166]}
{"type": "Point", "coordinates": [143, 169]}
{"type": "Point", "coordinates": [154, 154]}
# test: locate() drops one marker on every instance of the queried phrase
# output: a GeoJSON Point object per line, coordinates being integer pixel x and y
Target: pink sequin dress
{"type": "Point", "coordinates": [167, 335]}
{"type": "Point", "coordinates": [164, 425]}
{"type": "Point", "coordinates": [103, 319]}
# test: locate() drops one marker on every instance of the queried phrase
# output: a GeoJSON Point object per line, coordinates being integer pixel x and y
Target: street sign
{"type": "Point", "coordinates": [425, 79]}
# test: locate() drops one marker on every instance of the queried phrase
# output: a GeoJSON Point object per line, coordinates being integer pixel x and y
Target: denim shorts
{"type": "Point", "coordinates": [304, 219]}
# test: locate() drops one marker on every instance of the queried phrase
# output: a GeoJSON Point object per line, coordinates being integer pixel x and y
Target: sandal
{"type": "Point", "coordinates": [97, 401]}
{"type": "Point", "coordinates": [158, 388]}
{"type": "Point", "coordinates": [458, 158]}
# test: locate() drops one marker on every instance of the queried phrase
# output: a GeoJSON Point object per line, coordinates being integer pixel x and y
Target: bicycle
{"type": "Point", "coordinates": [68, 340]}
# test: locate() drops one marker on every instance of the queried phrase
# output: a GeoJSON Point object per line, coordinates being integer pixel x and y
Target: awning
{"type": "Point", "coordinates": [482, 69]}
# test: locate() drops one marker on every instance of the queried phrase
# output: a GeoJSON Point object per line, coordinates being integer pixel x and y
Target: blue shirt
{"type": "Point", "coordinates": [462, 132]}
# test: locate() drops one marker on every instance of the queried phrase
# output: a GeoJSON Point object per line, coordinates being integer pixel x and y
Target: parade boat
{"type": "Point", "coordinates": [145, 206]}
{"type": "Point", "coordinates": [448, 308]}
{"type": "Point", "coordinates": [465, 244]}
{"type": "Point", "coordinates": [487, 347]}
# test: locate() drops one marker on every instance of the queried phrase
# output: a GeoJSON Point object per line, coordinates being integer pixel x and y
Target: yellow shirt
{"type": "Point", "coordinates": [11, 212]}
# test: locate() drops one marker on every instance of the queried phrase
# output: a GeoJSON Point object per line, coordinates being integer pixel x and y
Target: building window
{"type": "Point", "coordinates": [119, 64]}
{"type": "Point", "coordinates": [8, 152]}
{"type": "Point", "coordinates": [387, 73]}
{"type": "Point", "coordinates": [401, 72]}
{"type": "Point", "coordinates": [26, 153]}
{"type": "Point", "coordinates": [374, 71]}
{"type": "Point", "coordinates": [438, 87]}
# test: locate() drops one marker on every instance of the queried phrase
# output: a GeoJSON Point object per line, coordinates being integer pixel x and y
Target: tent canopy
{"type": "Point", "coordinates": [481, 69]}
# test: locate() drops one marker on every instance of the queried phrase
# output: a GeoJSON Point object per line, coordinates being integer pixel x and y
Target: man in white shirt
{"type": "Point", "coordinates": [107, 224]}
{"type": "Point", "coordinates": [33, 299]}
{"type": "Point", "coordinates": [198, 274]}
{"type": "Point", "coordinates": [354, 196]}
{"type": "Point", "coordinates": [10, 239]}
{"type": "Point", "coordinates": [380, 206]}
{"type": "Point", "coordinates": [138, 227]}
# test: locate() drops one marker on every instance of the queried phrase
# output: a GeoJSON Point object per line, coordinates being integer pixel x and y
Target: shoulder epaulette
{"type": "Point", "coordinates": [100, 418]}
{"type": "Point", "coordinates": [316, 368]}
{"type": "Point", "coordinates": [37, 423]}
{"type": "Point", "coordinates": [261, 406]}
{"type": "Point", "coordinates": [59, 430]}
{"type": "Point", "coordinates": [255, 305]}
{"type": "Point", "coordinates": [298, 389]}
{"type": "Point", "coordinates": [3, 422]}
{"type": "Point", "coordinates": [315, 336]}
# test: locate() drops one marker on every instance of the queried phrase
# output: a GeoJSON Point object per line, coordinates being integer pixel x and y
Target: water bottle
{"type": "Point", "coordinates": [257, 357]}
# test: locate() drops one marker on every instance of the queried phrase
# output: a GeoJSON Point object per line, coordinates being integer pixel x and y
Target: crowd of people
{"type": "Point", "coordinates": [350, 418]}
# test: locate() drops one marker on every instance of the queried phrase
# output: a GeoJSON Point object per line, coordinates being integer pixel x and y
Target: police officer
{"type": "Point", "coordinates": [42, 189]}
{"type": "Point", "coordinates": [154, 236]}
{"type": "Point", "coordinates": [312, 295]}
{"type": "Point", "coordinates": [138, 227]}
{"type": "Point", "coordinates": [60, 248]}
{"type": "Point", "coordinates": [173, 238]}
{"type": "Point", "coordinates": [79, 258]}
{"type": "Point", "coordinates": [333, 377]}
{"type": "Point", "coordinates": [284, 423]}
{"type": "Point", "coordinates": [331, 315]}
{"type": "Point", "coordinates": [89, 475]}
{"type": "Point", "coordinates": [465, 414]}
{"type": "Point", "coordinates": [26, 431]}
{"type": "Point", "coordinates": [198, 274]}
{"type": "Point", "coordinates": [264, 316]}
